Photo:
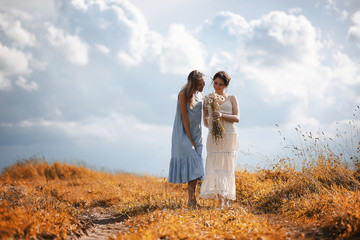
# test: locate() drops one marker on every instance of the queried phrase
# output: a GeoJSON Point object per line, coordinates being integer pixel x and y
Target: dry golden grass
{"type": "Point", "coordinates": [41, 200]}
{"type": "Point", "coordinates": [206, 223]}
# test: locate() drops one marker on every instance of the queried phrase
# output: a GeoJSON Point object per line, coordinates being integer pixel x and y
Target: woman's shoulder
{"type": "Point", "coordinates": [182, 93]}
{"type": "Point", "coordinates": [231, 97]}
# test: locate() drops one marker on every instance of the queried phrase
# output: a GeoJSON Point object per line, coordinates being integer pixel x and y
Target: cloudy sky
{"type": "Point", "coordinates": [97, 80]}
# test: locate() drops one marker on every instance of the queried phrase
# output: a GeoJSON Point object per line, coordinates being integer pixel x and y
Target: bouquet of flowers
{"type": "Point", "coordinates": [213, 100]}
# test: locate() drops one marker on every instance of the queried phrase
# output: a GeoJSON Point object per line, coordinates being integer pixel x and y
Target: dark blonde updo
{"type": "Point", "coordinates": [223, 76]}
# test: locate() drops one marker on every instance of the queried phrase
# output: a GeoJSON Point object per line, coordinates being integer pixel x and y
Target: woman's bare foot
{"type": "Point", "coordinates": [193, 204]}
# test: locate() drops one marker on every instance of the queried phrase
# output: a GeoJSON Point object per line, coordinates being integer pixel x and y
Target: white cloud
{"type": "Point", "coordinates": [5, 84]}
{"type": "Point", "coordinates": [294, 11]}
{"type": "Point", "coordinates": [39, 65]}
{"type": "Point", "coordinates": [23, 83]}
{"type": "Point", "coordinates": [129, 59]}
{"type": "Point", "coordinates": [181, 52]}
{"type": "Point", "coordinates": [27, 10]}
{"type": "Point", "coordinates": [300, 114]}
{"type": "Point", "coordinates": [233, 23]}
{"type": "Point", "coordinates": [25, 16]}
{"type": "Point", "coordinates": [111, 128]}
{"type": "Point", "coordinates": [338, 7]}
{"type": "Point", "coordinates": [221, 59]}
{"type": "Point", "coordinates": [12, 62]}
{"type": "Point", "coordinates": [354, 31]}
{"type": "Point", "coordinates": [345, 71]}
{"type": "Point", "coordinates": [142, 40]}
{"type": "Point", "coordinates": [344, 14]}
{"type": "Point", "coordinates": [139, 42]}
{"type": "Point", "coordinates": [278, 37]}
{"type": "Point", "coordinates": [80, 4]}
{"type": "Point", "coordinates": [226, 32]}
{"type": "Point", "coordinates": [128, 28]}
{"type": "Point", "coordinates": [271, 41]}
{"type": "Point", "coordinates": [279, 51]}
{"type": "Point", "coordinates": [13, 29]}
{"type": "Point", "coordinates": [282, 53]}
{"type": "Point", "coordinates": [102, 49]}
{"type": "Point", "coordinates": [136, 23]}
{"type": "Point", "coordinates": [74, 49]}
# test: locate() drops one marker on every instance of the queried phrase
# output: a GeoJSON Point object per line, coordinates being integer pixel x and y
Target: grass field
{"type": "Point", "coordinates": [315, 196]}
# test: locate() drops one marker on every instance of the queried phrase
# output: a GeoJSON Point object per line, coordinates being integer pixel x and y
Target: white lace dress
{"type": "Point", "coordinates": [221, 159]}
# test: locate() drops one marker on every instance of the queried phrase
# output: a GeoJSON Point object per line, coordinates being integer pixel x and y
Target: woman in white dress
{"type": "Point", "coordinates": [219, 181]}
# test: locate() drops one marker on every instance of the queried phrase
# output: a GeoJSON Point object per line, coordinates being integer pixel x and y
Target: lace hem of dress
{"type": "Point", "coordinates": [213, 195]}
{"type": "Point", "coordinates": [219, 183]}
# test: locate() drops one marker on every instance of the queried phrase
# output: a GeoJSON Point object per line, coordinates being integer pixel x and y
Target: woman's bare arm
{"type": "Point", "coordinates": [184, 115]}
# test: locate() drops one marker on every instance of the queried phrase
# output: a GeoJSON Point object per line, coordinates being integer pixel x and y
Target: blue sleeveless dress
{"type": "Point", "coordinates": [186, 163]}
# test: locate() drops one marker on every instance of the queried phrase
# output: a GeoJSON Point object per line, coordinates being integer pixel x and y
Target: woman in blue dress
{"type": "Point", "coordinates": [186, 164]}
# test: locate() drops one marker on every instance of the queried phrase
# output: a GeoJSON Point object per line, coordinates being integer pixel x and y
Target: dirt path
{"type": "Point", "coordinates": [106, 225]}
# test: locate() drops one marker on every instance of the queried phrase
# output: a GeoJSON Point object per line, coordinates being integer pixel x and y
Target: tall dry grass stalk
{"type": "Point", "coordinates": [317, 182]}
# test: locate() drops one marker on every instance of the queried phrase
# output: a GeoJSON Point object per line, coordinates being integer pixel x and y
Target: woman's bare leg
{"type": "Point", "coordinates": [192, 192]}
{"type": "Point", "coordinates": [220, 201]}
{"type": "Point", "coordinates": [226, 203]}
